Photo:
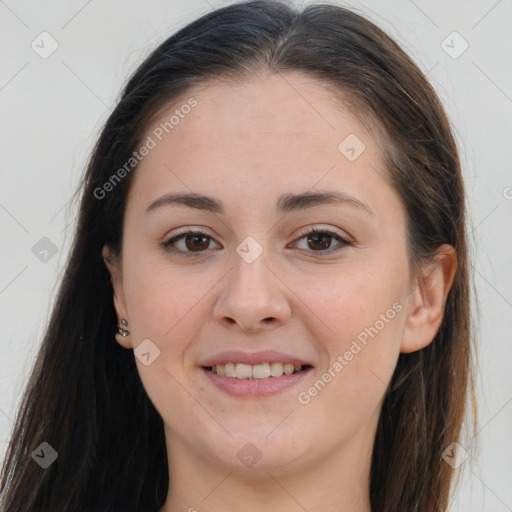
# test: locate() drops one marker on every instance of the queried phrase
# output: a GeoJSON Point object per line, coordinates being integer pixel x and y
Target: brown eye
{"type": "Point", "coordinates": [190, 243]}
{"type": "Point", "coordinates": [196, 242]}
{"type": "Point", "coordinates": [320, 241]}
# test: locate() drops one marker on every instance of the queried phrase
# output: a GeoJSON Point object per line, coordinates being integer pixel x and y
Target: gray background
{"type": "Point", "coordinates": [52, 109]}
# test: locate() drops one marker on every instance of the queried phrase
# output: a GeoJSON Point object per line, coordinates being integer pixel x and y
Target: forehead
{"type": "Point", "coordinates": [284, 105]}
{"type": "Point", "coordinates": [284, 131]}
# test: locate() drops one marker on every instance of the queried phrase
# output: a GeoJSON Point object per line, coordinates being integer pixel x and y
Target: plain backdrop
{"type": "Point", "coordinates": [52, 108]}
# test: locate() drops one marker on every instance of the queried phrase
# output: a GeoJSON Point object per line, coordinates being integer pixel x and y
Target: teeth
{"type": "Point", "coordinates": [288, 369]}
{"type": "Point", "coordinates": [260, 371]}
{"type": "Point", "coordinates": [229, 369]}
{"type": "Point", "coordinates": [243, 371]}
{"type": "Point", "coordinates": [276, 369]}
{"type": "Point", "coordinates": [257, 371]}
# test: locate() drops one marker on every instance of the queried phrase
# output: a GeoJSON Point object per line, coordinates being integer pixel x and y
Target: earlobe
{"type": "Point", "coordinates": [122, 334]}
{"type": "Point", "coordinates": [427, 304]}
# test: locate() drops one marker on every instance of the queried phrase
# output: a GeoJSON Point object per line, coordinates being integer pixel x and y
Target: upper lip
{"type": "Point", "coordinates": [253, 358]}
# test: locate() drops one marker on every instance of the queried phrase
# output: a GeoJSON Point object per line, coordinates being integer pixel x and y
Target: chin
{"type": "Point", "coordinates": [256, 453]}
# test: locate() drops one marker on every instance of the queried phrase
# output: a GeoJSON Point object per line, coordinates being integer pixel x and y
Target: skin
{"type": "Point", "coordinates": [246, 144]}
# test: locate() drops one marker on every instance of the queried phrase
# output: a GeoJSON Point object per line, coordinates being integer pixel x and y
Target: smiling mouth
{"type": "Point", "coordinates": [256, 372]}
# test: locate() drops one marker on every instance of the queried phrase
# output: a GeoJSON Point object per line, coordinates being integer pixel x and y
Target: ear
{"type": "Point", "coordinates": [116, 278]}
{"type": "Point", "coordinates": [426, 306]}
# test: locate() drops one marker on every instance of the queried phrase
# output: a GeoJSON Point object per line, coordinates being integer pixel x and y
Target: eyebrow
{"type": "Point", "coordinates": [286, 203]}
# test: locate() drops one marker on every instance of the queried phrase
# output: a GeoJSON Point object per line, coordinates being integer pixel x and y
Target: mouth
{"type": "Point", "coordinates": [253, 381]}
{"type": "Point", "coordinates": [256, 372]}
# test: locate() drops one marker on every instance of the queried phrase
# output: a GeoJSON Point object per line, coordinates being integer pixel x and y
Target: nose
{"type": "Point", "coordinates": [254, 296]}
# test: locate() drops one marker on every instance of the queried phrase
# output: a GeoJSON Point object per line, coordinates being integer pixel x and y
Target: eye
{"type": "Point", "coordinates": [321, 240]}
{"type": "Point", "coordinates": [194, 243]}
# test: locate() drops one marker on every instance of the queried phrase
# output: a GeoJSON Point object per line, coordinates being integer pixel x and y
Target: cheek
{"type": "Point", "coordinates": [353, 297]}
{"type": "Point", "coordinates": [166, 303]}
{"type": "Point", "coordinates": [165, 306]}
{"type": "Point", "coordinates": [362, 313]}
{"type": "Point", "coordinates": [367, 320]}
{"type": "Point", "coordinates": [151, 302]}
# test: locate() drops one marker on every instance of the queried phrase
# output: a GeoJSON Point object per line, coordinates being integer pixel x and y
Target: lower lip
{"type": "Point", "coordinates": [255, 387]}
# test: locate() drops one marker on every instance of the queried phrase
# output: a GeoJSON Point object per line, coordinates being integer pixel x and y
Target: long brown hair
{"type": "Point", "coordinates": [84, 396]}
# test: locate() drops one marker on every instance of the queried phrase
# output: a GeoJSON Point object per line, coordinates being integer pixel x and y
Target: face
{"type": "Point", "coordinates": [253, 284]}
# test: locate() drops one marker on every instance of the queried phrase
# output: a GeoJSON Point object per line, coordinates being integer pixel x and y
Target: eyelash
{"type": "Point", "coordinates": [344, 242]}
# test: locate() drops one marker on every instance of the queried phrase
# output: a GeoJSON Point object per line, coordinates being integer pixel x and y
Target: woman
{"type": "Point", "coordinates": [266, 304]}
